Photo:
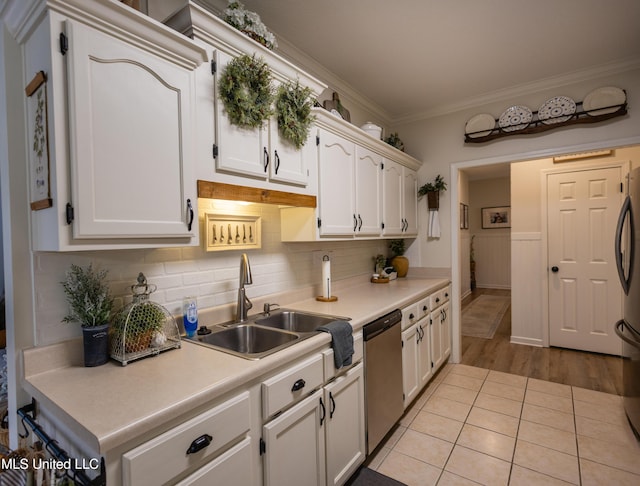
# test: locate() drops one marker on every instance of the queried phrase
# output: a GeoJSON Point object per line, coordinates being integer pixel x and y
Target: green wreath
{"type": "Point", "coordinates": [293, 106]}
{"type": "Point", "coordinates": [246, 92]}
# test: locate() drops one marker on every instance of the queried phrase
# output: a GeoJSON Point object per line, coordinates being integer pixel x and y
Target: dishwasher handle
{"type": "Point", "coordinates": [371, 330]}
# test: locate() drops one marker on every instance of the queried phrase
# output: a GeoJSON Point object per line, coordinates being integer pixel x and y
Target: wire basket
{"type": "Point", "coordinates": [142, 328]}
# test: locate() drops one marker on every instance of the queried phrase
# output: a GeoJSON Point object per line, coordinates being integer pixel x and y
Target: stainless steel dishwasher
{"type": "Point", "coordinates": [383, 376]}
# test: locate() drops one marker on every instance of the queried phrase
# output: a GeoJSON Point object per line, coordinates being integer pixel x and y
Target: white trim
{"type": "Point", "coordinates": [527, 341]}
{"type": "Point", "coordinates": [455, 167]}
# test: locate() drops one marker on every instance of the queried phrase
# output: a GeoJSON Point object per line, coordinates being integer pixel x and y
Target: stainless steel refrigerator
{"type": "Point", "coordinates": [628, 328]}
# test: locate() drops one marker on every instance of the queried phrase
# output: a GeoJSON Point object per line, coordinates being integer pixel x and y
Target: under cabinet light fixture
{"type": "Point", "coordinates": [582, 155]}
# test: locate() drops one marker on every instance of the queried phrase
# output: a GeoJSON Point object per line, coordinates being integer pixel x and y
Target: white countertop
{"type": "Point", "coordinates": [111, 404]}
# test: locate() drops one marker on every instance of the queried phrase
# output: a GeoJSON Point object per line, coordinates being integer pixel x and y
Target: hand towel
{"type": "Point", "coordinates": [341, 341]}
{"type": "Point", "coordinates": [434, 224]}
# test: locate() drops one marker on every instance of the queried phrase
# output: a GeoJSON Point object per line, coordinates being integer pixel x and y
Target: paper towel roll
{"type": "Point", "coordinates": [326, 277]}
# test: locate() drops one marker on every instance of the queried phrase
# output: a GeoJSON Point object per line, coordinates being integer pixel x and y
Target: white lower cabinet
{"type": "Point", "coordinates": [426, 341]}
{"type": "Point", "coordinates": [417, 366]}
{"type": "Point", "coordinates": [294, 451]}
{"type": "Point", "coordinates": [229, 468]}
{"type": "Point", "coordinates": [321, 439]}
{"type": "Point", "coordinates": [203, 440]}
{"type": "Point", "coordinates": [345, 425]}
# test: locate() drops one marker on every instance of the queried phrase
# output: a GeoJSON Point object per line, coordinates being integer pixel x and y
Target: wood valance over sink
{"type": "Point", "coordinates": [231, 192]}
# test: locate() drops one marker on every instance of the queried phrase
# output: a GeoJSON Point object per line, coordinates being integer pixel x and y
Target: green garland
{"type": "Point", "coordinates": [294, 113]}
{"type": "Point", "coordinates": [246, 91]}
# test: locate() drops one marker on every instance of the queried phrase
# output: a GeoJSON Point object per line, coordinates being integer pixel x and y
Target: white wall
{"type": "Point", "coordinates": [492, 246]}
{"type": "Point", "coordinates": [439, 142]}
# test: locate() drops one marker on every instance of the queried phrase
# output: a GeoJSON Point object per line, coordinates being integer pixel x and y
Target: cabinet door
{"type": "Point", "coordinates": [345, 429]}
{"type": "Point", "coordinates": [435, 328]}
{"type": "Point", "coordinates": [410, 382]}
{"type": "Point", "coordinates": [294, 445]}
{"type": "Point", "coordinates": [288, 164]}
{"type": "Point", "coordinates": [336, 160]}
{"type": "Point", "coordinates": [392, 197]}
{"type": "Point", "coordinates": [367, 179]}
{"type": "Point", "coordinates": [425, 371]}
{"type": "Point", "coordinates": [129, 136]}
{"type": "Point", "coordinates": [241, 151]}
{"type": "Point", "coordinates": [410, 201]}
{"type": "Point", "coordinates": [232, 467]}
{"type": "Point", "coordinates": [445, 331]}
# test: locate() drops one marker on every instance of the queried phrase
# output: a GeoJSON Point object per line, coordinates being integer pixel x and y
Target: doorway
{"type": "Point", "coordinates": [529, 298]}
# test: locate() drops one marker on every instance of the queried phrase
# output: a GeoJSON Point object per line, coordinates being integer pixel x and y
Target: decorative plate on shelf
{"type": "Point", "coordinates": [515, 118]}
{"type": "Point", "coordinates": [480, 125]}
{"type": "Point", "coordinates": [556, 110]}
{"type": "Point", "coordinates": [605, 100]}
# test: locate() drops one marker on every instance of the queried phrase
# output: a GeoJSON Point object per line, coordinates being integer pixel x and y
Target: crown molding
{"type": "Point", "coordinates": [603, 70]}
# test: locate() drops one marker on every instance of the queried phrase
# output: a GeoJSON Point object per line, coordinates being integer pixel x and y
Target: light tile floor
{"type": "Point", "coordinates": [474, 426]}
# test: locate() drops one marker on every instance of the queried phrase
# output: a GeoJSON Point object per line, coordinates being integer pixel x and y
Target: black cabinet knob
{"type": "Point", "coordinates": [554, 269]}
{"type": "Point", "coordinates": [298, 385]}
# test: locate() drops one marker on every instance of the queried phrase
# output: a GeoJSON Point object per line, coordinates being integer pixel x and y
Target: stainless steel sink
{"type": "Point", "coordinates": [295, 321]}
{"type": "Point", "coordinates": [248, 341]}
{"type": "Point", "coordinates": [264, 334]}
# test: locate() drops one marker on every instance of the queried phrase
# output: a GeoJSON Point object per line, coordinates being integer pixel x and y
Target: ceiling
{"type": "Point", "coordinates": [417, 58]}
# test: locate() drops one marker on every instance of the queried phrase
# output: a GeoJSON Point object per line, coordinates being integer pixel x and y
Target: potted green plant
{"type": "Point", "coordinates": [432, 190]}
{"type": "Point", "coordinates": [398, 260]}
{"type": "Point", "coordinates": [90, 304]}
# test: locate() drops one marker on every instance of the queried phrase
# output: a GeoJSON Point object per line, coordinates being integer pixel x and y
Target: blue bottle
{"type": "Point", "coordinates": [190, 316]}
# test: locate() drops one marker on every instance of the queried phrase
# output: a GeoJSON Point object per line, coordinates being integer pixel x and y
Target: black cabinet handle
{"type": "Point", "coordinates": [355, 222]}
{"type": "Point", "coordinates": [437, 299]}
{"type": "Point", "coordinates": [424, 308]}
{"type": "Point", "coordinates": [554, 269]}
{"type": "Point", "coordinates": [298, 385]}
{"type": "Point", "coordinates": [333, 405]}
{"type": "Point", "coordinates": [266, 159]}
{"type": "Point", "coordinates": [200, 443]}
{"type": "Point", "coordinates": [411, 316]}
{"type": "Point", "coordinates": [277, 157]}
{"type": "Point", "coordinates": [323, 412]}
{"type": "Point", "coordinates": [189, 214]}
{"type": "Point", "coordinates": [360, 223]}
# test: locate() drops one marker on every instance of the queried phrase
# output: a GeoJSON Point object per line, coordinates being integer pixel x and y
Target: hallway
{"type": "Point", "coordinates": [597, 372]}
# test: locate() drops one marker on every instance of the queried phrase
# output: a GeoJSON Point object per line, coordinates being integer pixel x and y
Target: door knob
{"type": "Point", "coordinates": [554, 269]}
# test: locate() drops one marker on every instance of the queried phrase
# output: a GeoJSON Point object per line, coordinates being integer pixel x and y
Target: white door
{"type": "Point", "coordinates": [392, 197]}
{"type": "Point", "coordinates": [585, 298]}
{"type": "Point", "coordinates": [435, 328]}
{"type": "Point", "coordinates": [294, 445]}
{"type": "Point", "coordinates": [345, 432]}
{"type": "Point", "coordinates": [368, 168]}
{"type": "Point", "coordinates": [336, 159]}
{"type": "Point", "coordinates": [410, 378]}
{"type": "Point", "coordinates": [425, 370]}
{"type": "Point", "coordinates": [241, 151]}
{"type": "Point", "coordinates": [410, 202]}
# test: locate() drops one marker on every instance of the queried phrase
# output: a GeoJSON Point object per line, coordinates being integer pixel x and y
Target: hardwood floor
{"type": "Point", "coordinates": [577, 368]}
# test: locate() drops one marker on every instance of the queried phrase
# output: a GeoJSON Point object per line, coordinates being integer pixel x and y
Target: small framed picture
{"type": "Point", "coordinates": [496, 217]}
{"type": "Point", "coordinates": [464, 216]}
{"type": "Point", "coordinates": [37, 119]}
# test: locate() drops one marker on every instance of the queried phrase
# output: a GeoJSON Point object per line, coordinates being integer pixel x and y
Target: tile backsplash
{"type": "Point", "coordinates": [211, 276]}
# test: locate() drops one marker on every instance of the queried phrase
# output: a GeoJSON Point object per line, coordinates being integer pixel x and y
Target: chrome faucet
{"type": "Point", "coordinates": [244, 304]}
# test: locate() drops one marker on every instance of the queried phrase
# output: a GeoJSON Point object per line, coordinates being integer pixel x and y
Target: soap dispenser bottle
{"type": "Point", "coordinates": [190, 316]}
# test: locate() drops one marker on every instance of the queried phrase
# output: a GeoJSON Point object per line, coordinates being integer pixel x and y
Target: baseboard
{"type": "Point", "coordinates": [526, 341]}
{"type": "Point", "coordinates": [466, 294]}
{"type": "Point", "coordinates": [496, 286]}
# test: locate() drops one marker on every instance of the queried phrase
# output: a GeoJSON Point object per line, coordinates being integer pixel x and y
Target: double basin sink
{"type": "Point", "coordinates": [264, 334]}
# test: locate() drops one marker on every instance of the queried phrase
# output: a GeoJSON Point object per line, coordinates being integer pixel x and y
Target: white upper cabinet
{"type": "Point", "coordinates": [367, 189]}
{"type": "Point", "coordinates": [257, 157]}
{"type": "Point", "coordinates": [336, 158]}
{"type": "Point", "coordinates": [257, 152]}
{"type": "Point", "coordinates": [120, 96]}
{"type": "Point", "coordinates": [400, 200]}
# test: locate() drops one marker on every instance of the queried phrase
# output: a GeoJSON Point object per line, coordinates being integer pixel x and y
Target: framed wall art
{"type": "Point", "coordinates": [496, 217]}
{"type": "Point", "coordinates": [464, 216]}
{"type": "Point", "coordinates": [38, 133]}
